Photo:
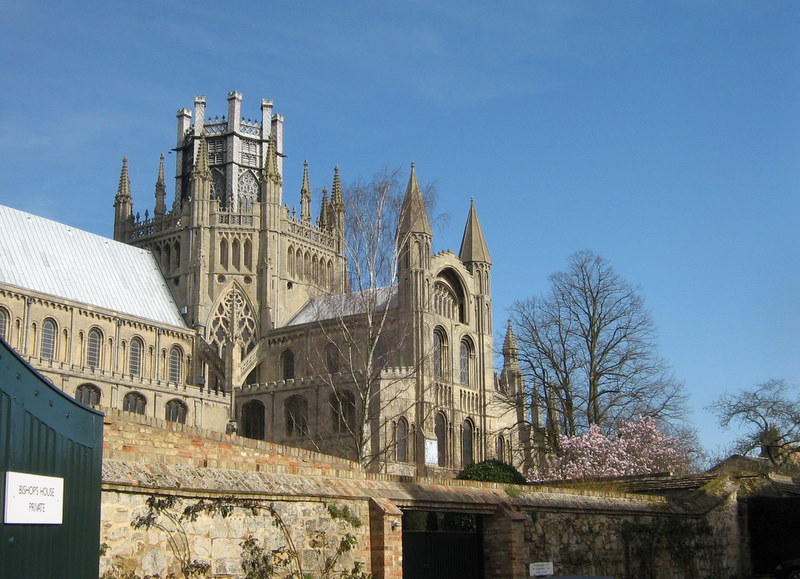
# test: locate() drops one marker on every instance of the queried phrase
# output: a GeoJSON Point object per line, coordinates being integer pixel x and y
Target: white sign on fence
{"type": "Point", "coordinates": [541, 569]}
{"type": "Point", "coordinates": [33, 499]}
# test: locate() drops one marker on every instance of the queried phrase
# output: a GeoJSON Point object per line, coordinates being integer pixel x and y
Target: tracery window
{"type": "Point", "coordinates": [93, 348]}
{"type": "Point", "coordinates": [175, 411]}
{"type": "Point", "coordinates": [174, 373]}
{"type": "Point", "coordinates": [135, 357]}
{"type": "Point", "coordinates": [233, 318]}
{"type": "Point", "coordinates": [296, 415]}
{"type": "Point", "coordinates": [134, 402]}
{"type": "Point", "coordinates": [88, 394]}
{"type": "Point", "coordinates": [343, 411]}
{"type": "Point", "coordinates": [248, 192]}
{"type": "Point", "coordinates": [401, 440]}
{"type": "Point", "coordinates": [48, 340]}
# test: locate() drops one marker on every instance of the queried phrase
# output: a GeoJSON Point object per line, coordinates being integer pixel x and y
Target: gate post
{"type": "Point", "coordinates": [385, 539]}
{"type": "Point", "coordinates": [504, 544]}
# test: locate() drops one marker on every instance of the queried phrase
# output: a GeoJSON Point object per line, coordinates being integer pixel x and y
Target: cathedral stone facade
{"type": "Point", "coordinates": [253, 320]}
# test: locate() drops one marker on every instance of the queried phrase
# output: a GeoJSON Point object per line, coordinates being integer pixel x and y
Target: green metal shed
{"type": "Point", "coordinates": [50, 464]}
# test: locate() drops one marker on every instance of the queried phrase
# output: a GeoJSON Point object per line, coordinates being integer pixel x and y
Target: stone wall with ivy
{"type": "Point", "coordinates": [285, 532]}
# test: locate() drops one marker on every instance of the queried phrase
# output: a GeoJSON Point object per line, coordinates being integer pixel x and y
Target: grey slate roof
{"type": "Point", "coordinates": [58, 260]}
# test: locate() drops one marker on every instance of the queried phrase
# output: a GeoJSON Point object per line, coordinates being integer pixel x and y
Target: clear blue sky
{"type": "Point", "coordinates": [665, 136]}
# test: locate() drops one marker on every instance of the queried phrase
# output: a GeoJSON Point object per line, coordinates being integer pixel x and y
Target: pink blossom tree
{"type": "Point", "coordinates": [638, 447]}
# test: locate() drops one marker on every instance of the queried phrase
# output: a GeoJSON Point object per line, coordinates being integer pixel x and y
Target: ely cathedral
{"type": "Point", "coordinates": [224, 307]}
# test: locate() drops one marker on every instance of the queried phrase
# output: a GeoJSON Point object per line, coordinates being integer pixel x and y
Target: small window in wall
{"type": "Point", "coordinates": [175, 411]}
{"type": "Point", "coordinates": [174, 365]}
{"type": "Point", "coordinates": [296, 416]}
{"type": "Point", "coordinates": [93, 349]}
{"type": "Point", "coordinates": [466, 355]}
{"type": "Point", "coordinates": [88, 394]}
{"type": "Point", "coordinates": [134, 402]}
{"type": "Point", "coordinates": [500, 451]}
{"type": "Point", "coordinates": [48, 343]}
{"type": "Point", "coordinates": [440, 429]}
{"type": "Point", "coordinates": [135, 357]}
{"type": "Point", "coordinates": [467, 435]}
{"type": "Point", "coordinates": [439, 353]}
{"type": "Point", "coordinates": [287, 363]}
{"type": "Point", "coordinates": [401, 440]}
{"type": "Point", "coordinates": [3, 324]}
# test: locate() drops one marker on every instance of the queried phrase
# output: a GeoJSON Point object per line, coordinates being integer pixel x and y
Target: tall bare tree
{"type": "Point", "coordinates": [366, 354]}
{"type": "Point", "coordinates": [588, 353]}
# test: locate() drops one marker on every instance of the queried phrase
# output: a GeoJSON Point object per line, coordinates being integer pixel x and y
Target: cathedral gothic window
{"type": "Point", "coordinates": [233, 317]}
{"type": "Point", "coordinates": [401, 440]}
{"type": "Point", "coordinates": [253, 420]}
{"type": "Point", "coordinates": [467, 436]}
{"type": "Point", "coordinates": [343, 411]}
{"type": "Point", "coordinates": [93, 348]}
{"type": "Point", "coordinates": [48, 340]}
{"type": "Point", "coordinates": [296, 416]}
{"type": "Point", "coordinates": [175, 411]}
{"type": "Point", "coordinates": [287, 364]}
{"type": "Point", "coordinates": [174, 374]}
{"type": "Point", "coordinates": [134, 402]}
{"type": "Point", "coordinates": [88, 394]}
{"type": "Point", "coordinates": [135, 357]}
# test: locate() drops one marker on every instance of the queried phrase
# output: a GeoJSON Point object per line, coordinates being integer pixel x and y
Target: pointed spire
{"type": "Point", "coordinates": [322, 222]}
{"type": "Point", "coordinates": [305, 195]}
{"type": "Point", "coordinates": [510, 348]}
{"type": "Point", "coordinates": [161, 190]}
{"type": "Point", "coordinates": [336, 194]}
{"type": "Point", "coordinates": [473, 244]}
{"type": "Point", "coordinates": [413, 215]}
{"type": "Point", "coordinates": [201, 168]}
{"type": "Point", "coordinates": [270, 171]}
{"type": "Point", "coordinates": [124, 188]}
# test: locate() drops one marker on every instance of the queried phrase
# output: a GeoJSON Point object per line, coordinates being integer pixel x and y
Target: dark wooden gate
{"type": "Point", "coordinates": [45, 433]}
{"type": "Point", "coordinates": [442, 546]}
{"type": "Point", "coordinates": [773, 525]}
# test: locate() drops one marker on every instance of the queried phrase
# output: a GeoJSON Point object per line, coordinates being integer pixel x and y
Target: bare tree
{"type": "Point", "coordinates": [366, 351]}
{"type": "Point", "coordinates": [770, 415]}
{"type": "Point", "coordinates": [588, 353]}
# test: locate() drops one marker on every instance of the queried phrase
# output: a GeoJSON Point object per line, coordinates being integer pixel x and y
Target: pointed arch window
{"type": "Point", "coordinates": [440, 430]}
{"type": "Point", "coordinates": [467, 436]}
{"type": "Point", "coordinates": [235, 253]}
{"type": "Point", "coordinates": [175, 411]}
{"type": "Point", "coordinates": [88, 394]}
{"type": "Point", "coordinates": [135, 357]}
{"type": "Point", "coordinates": [48, 341]}
{"type": "Point", "coordinates": [94, 348]}
{"type": "Point", "coordinates": [223, 253]}
{"type": "Point", "coordinates": [401, 440]}
{"type": "Point", "coordinates": [253, 420]}
{"type": "Point", "coordinates": [134, 402]}
{"type": "Point", "coordinates": [175, 362]}
{"type": "Point", "coordinates": [466, 361]}
{"type": "Point", "coordinates": [248, 254]}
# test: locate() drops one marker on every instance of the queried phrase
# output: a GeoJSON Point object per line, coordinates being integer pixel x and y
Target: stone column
{"type": "Point", "coordinates": [504, 544]}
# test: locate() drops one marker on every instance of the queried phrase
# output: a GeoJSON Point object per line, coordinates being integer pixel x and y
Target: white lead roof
{"type": "Point", "coordinates": [52, 258]}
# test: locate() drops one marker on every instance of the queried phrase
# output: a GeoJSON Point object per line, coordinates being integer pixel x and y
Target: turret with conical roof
{"type": "Point", "coordinates": [473, 244]}
{"type": "Point", "coordinates": [413, 215]}
{"type": "Point", "coordinates": [414, 241]}
{"type": "Point", "coordinates": [123, 202]}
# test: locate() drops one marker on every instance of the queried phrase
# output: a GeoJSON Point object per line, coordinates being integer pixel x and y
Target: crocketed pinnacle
{"type": "Point", "coordinates": [124, 188]}
{"type": "Point", "coordinates": [323, 211]}
{"type": "Point", "coordinates": [413, 215]}
{"type": "Point", "coordinates": [336, 194]}
{"type": "Point", "coordinates": [161, 189]}
{"type": "Point", "coordinates": [510, 348]}
{"type": "Point", "coordinates": [473, 244]}
{"type": "Point", "coordinates": [201, 168]}
{"type": "Point", "coordinates": [305, 195]}
{"type": "Point", "coordinates": [271, 162]}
